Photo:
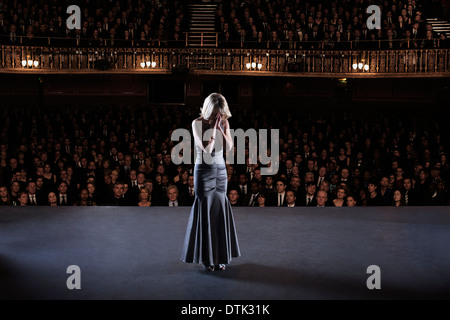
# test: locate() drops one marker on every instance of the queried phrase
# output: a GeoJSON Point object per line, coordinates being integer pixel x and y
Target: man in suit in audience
{"type": "Point", "coordinates": [64, 198]}
{"type": "Point", "coordinates": [345, 177]}
{"type": "Point", "coordinates": [410, 194]}
{"type": "Point", "coordinates": [126, 168]}
{"type": "Point", "coordinates": [290, 198]}
{"type": "Point", "coordinates": [117, 198]}
{"type": "Point", "coordinates": [322, 198]}
{"type": "Point", "coordinates": [268, 187]}
{"type": "Point", "coordinates": [278, 199]}
{"type": "Point", "coordinates": [170, 167]}
{"type": "Point", "coordinates": [295, 186]}
{"type": "Point", "coordinates": [33, 198]}
{"type": "Point", "coordinates": [174, 198]}
{"type": "Point", "coordinates": [416, 33]}
{"type": "Point", "coordinates": [289, 164]}
{"type": "Point", "coordinates": [13, 38]}
{"type": "Point", "coordinates": [257, 177]}
{"type": "Point", "coordinates": [243, 186]}
{"type": "Point", "coordinates": [315, 35]}
{"type": "Point", "coordinates": [233, 197]}
{"type": "Point", "coordinates": [191, 190]}
{"type": "Point", "coordinates": [308, 198]}
{"type": "Point", "coordinates": [133, 185]}
{"type": "Point", "coordinates": [251, 200]}
{"type": "Point", "coordinates": [321, 176]}
{"type": "Point", "coordinates": [311, 167]}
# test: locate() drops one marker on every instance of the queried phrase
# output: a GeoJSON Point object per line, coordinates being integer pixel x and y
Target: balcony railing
{"type": "Point", "coordinates": [213, 39]}
{"type": "Point", "coordinates": [407, 62]}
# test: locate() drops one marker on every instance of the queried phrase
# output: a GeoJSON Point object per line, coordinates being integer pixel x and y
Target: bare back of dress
{"type": "Point", "coordinates": [216, 156]}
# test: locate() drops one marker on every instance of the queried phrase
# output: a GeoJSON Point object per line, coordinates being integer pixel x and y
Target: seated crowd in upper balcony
{"type": "Point", "coordinates": [336, 24]}
{"type": "Point", "coordinates": [279, 24]}
{"type": "Point", "coordinates": [115, 23]}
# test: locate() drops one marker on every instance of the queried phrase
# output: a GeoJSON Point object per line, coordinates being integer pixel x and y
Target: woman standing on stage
{"type": "Point", "coordinates": [211, 237]}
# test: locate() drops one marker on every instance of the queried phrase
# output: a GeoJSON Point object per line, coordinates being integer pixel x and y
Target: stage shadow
{"type": "Point", "coordinates": [318, 284]}
{"type": "Point", "coordinates": [11, 287]}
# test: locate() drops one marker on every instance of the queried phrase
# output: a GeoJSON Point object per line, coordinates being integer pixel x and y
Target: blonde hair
{"type": "Point", "coordinates": [148, 194]}
{"type": "Point", "coordinates": [215, 102]}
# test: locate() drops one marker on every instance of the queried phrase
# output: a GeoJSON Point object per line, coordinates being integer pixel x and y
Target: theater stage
{"type": "Point", "coordinates": [287, 253]}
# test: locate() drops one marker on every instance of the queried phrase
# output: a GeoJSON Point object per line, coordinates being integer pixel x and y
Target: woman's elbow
{"type": "Point", "coordinates": [210, 148]}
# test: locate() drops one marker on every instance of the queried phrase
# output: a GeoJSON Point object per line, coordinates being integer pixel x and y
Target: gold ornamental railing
{"type": "Point", "coordinates": [405, 63]}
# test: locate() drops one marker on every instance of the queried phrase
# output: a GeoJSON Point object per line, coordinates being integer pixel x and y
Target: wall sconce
{"type": "Point", "coordinates": [30, 63]}
{"type": "Point", "coordinates": [148, 61]}
{"type": "Point", "coordinates": [360, 66]}
{"type": "Point", "coordinates": [253, 66]}
{"type": "Point", "coordinates": [148, 64]}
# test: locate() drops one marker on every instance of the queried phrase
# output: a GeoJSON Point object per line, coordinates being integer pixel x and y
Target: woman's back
{"type": "Point", "coordinates": [216, 156]}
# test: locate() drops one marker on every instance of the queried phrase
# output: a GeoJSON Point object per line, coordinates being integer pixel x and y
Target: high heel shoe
{"type": "Point", "coordinates": [210, 268]}
{"type": "Point", "coordinates": [221, 267]}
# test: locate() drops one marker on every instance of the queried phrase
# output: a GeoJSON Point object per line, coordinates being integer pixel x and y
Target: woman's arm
{"type": "Point", "coordinates": [226, 132]}
{"type": "Point", "coordinates": [197, 130]}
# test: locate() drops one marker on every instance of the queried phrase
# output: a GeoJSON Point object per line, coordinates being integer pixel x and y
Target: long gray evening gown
{"type": "Point", "coordinates": [211, 237]}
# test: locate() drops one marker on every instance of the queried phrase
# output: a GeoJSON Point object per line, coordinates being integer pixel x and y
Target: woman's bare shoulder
{"type": "Point", "coordinates": [196, 124]}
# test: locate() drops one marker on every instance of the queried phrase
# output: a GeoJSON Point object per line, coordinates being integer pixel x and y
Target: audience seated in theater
{"type": "Point", "coordinates": [401, 154]}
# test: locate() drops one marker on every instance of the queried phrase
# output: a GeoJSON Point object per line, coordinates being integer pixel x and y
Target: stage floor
{"type": "Point", "coordinates": [287, 253]}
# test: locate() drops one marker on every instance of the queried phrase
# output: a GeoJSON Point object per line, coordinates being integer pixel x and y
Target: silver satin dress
{"type": "Point", "coordinates": [211, 237]}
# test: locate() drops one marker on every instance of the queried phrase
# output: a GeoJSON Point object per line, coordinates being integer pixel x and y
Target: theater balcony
{"type": "Point", "coordinates": [182, 58]}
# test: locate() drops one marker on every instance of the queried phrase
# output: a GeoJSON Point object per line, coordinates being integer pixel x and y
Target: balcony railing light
{"type": "Point", "coordinates": [410, 63]}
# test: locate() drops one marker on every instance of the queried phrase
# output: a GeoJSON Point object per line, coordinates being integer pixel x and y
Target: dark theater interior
{"type": "Point", "coordinates": [89, 99]}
